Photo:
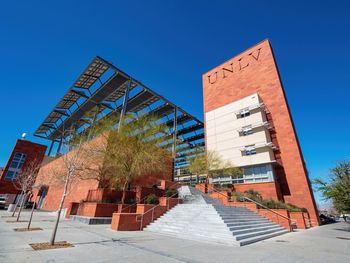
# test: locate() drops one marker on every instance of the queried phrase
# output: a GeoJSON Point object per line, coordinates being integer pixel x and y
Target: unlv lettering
{"type": "Point", "coordinates": [240, 64]}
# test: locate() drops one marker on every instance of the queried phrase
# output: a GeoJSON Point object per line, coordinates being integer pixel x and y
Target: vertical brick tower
{"type": "Point", "coordinates": [248, 121]}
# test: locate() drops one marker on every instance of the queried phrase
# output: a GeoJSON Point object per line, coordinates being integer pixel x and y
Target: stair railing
{"type": "Point", "coordinates": [143, 199]}
{"type": "Point", "coordinates": [140, 202]}
{"type": "Point", "coordinates": [153, 208]}
{"type": "Point", "coordinates": [257, 203]}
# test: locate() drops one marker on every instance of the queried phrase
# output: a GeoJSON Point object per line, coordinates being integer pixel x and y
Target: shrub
{"type": "Point", "coordinates": [130, 201]}
{"type": "Point", "coordinates": [273, 204]}
{"type": "Point", "coordinates": [152, 199]}
{"type": "Point", "coordinates": [254, 195]}
{"type": "Point", "coordinates": [239, 196]}
{"type": "Point", "coordinates": [172, 192]}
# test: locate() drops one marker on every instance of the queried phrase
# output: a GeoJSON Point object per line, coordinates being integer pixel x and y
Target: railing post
{"type": "Point", "coordinates": [141, 222]}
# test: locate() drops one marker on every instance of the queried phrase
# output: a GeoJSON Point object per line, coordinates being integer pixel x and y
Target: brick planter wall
{"type": "Point", "coordinates": [125, 222]}
{"type": "Point", "coordinates": [299, 218]}
{"type": "Point", "coordinates": [108, 195]}
{"type": "Point", "coordinates": [142, 192]}
{"type": "Point", "coordinates": [307, 219]}
{"type": "Point", "coordinates": [97, 209]}
{"type": "Point", "coordinates": [171, 201]}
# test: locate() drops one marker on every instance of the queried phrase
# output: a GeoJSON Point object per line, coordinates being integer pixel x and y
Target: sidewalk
{"type": "Point", "coordinates": [101, 244]}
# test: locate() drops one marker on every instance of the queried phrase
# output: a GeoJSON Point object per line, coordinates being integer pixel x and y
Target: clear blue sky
{"type": "Point", "coordinates": [168, 45]}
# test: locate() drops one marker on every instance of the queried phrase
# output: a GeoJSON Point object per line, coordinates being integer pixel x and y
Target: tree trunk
{"type": "Point", "coordinates": [31, 213]}
{"type": "Point", "coordinates": [126, 186]}
{"type": "Point", "coordinates": [14, 211]}
{"type": "Point", "coordinates": [207, 184]}
{"type": "Point", "coordinates": [123, 196]}
{"type": "Point", "coordinates": [53, 236]}
{"type": "Point", "coordinates": [20, 208]}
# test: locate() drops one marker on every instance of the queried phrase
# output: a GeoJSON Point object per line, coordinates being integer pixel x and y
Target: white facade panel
{"type": "Point", "coordinates": [222, 134]}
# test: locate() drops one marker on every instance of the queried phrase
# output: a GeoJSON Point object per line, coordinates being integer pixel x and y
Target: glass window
{"type": "Point", "coordinates": [250, 152]}
{"type": "Point", "coordinates": [245, 114]}
{"type": "Point", "coordinates": [15, 166]}
{"type": "Point", "coordinates": [248, 132]}
{"type": "Point", "coordinates": [257, 171]}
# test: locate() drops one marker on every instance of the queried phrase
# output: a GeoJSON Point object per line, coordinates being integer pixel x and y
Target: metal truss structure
{"type": "Point", "coordinates": [112, 91]}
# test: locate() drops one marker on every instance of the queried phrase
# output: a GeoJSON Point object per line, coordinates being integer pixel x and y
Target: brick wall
{"type": "Point", "coordinates": [34, 151]}
{"type": "Point", "coordinates": [267, 190]}
{"type": "Point", "coordinates": [81, 189]}
{"type": "Point", "coordinates": [255, 71]}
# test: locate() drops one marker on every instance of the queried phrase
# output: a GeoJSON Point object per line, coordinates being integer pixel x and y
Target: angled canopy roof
{"type": "Point", "coordinates": [103, 85]}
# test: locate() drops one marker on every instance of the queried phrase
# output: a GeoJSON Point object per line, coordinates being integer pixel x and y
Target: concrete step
{"type": "Point", "coordinates": [247, 226]}
{"type": "Point", "coordinates": [227, 241]}
{"type": "Point", "coordinates": [182, 226]}
{"type": "Point", "coordinates": [256, 229]}
{"type": "Point", "coordinates": [255, 234]}
{"type": "Point", "coordinates": [238, 221]}
{"type": "Point", "coordinates": [206, 219]}
{"type": "Point", "coordinates": [234, 216]}
{"type": "Point", "coordinates": [251, 240]}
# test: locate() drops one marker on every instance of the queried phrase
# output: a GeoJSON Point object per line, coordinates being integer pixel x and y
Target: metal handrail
{"type": "Point", "coordinates": [135, 203]}
{"type": "Point", "coordinates": [265, 207]}
{"type": "Point", "coordinates": [166, 202]}
{"type": "Point", "coordinates": [140, 202]}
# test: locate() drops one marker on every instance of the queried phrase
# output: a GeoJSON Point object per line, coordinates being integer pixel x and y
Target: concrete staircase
{"type": "Point", "coordinates": [203, 218]}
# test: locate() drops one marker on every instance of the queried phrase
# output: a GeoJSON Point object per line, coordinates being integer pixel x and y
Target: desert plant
{"type": "Point", "coordinates": [172, 192]}
{"type": "Point", "coordinates": [133, 150]}
{"type": "Point", "coordinates": [129, 201]}
{"type": "Point", "coordinates": [239, 196]}
{"type": "Point", "coordinates": [254, 195]}
{"type": "Point", "coordinates": [274, 204]}
{"type": "Point", "coordinates": [211, 164]}
{"type": "Point", "coordinates": [152, 199]}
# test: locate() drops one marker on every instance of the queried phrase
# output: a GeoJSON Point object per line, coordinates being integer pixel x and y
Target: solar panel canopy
{"type": "Point", "coordinates": [104, 86]}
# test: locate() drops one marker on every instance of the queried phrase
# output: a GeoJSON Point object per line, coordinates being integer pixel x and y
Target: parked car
{"type": "Point", "coordinates": [326, 219]}
{"type": "Point", "coordinates": [2, 202]}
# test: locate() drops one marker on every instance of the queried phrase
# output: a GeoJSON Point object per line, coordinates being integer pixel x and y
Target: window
{"type": "Point", "coordinates": [15, 166]}
{"type": "Point", "coordinates": [250, 152]}
{"type": "Point", "coordinates": [247, 130]}
{"type": "Point", "coordinates": [246, 114]}
{"type": "Point", "coordinates": [253, 174]}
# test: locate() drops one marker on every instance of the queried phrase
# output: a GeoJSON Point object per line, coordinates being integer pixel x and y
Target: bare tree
{"type": "Point", "coordinates": [34, 203]}
{"type": "Point", "coordinates": [17, 202]}
{"type": "Point", "coordinates": [78, 156]}
{"type": "Point", "coordinates": [25, 181]}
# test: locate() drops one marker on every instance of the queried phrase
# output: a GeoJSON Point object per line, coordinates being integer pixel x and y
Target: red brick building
{"type": "Point", "coordinates": [249, 123]}
{"type": "Point", "coordinates": [114, 93]}
{"type": "Point", "coordinates": [51, 194]}
{"type": "Point", "coordinates": [22, 155]}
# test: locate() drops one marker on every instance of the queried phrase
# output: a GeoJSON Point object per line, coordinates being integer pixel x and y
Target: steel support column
{"type": "Point", "coordinates": [125, 102]}
{"type": "Point", "coordinates": [52, 142]}
{"type": "Point", "coordinates": [59, 147]}
{"type": "Point", "coordinates": [174, 142]}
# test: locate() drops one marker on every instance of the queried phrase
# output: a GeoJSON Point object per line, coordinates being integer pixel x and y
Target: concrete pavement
{"type": "Point", "coordinates": [101, 244]}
